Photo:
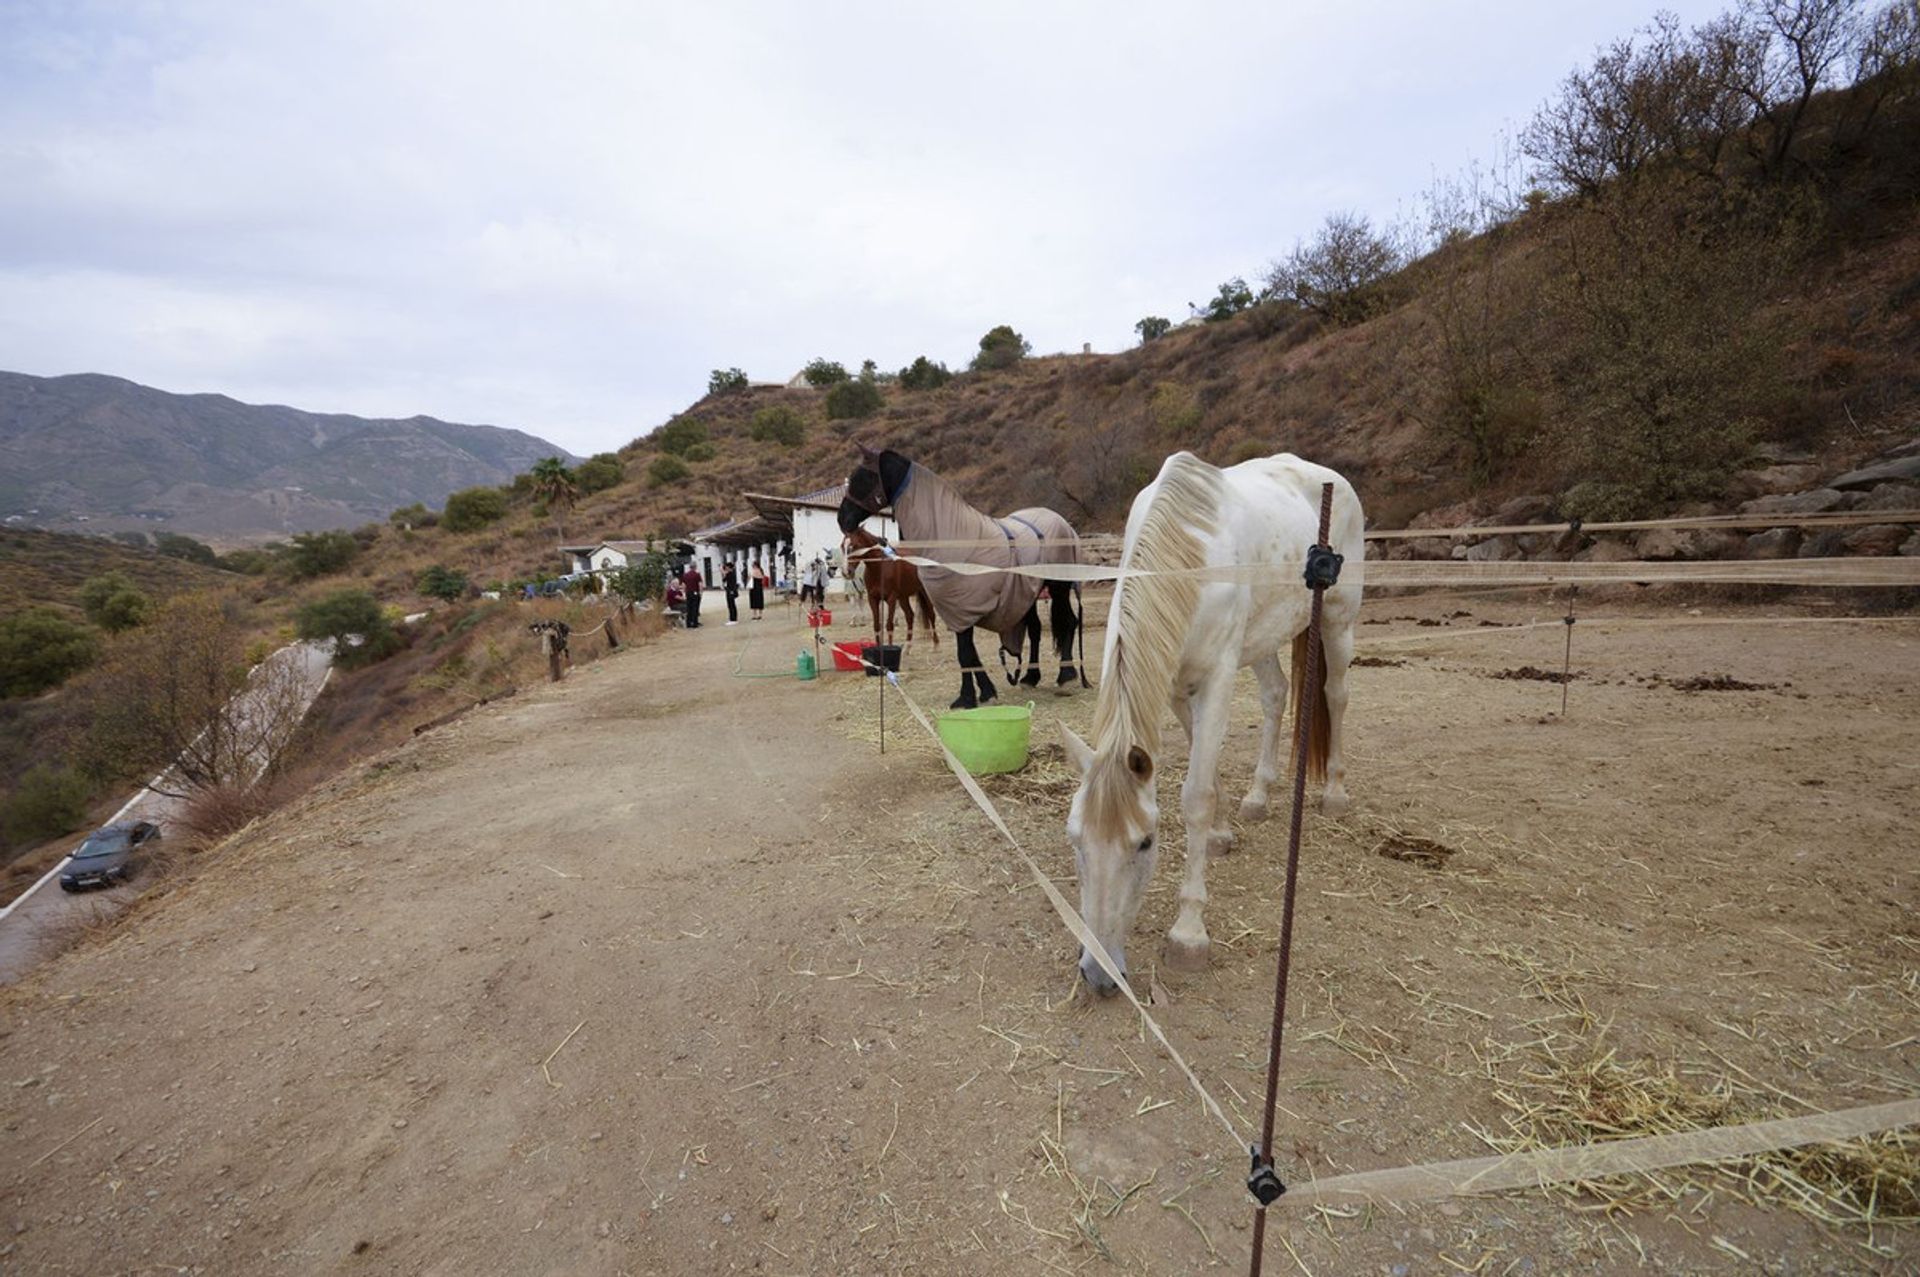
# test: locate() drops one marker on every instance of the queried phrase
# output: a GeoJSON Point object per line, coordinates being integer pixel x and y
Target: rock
{"type": "Point", "coordinates": [1818, 501]}
{"type": "Point", "coordinates": [1911, 546]}
{"type": "Point", "coordinates": [1398, 551]}
{"type": "Point", "coordinates": [1892, 496]}
{"type": "Point", "coordinates": [1782, 454]}
{"type": "Point", "coordinates": [399, 1123]}
{"type": "Point", "coordinates": [1876, 538]}
{"type": "Point", "coordinates": [1774, 543]}
{"type": "Point", "coordinates": [1430, 548]}
{"type": "Point", "coordinates": [1824, 545]}
{"type": "Point", "coordinates": [1493, 550]}
{"type": "Point", "coordinates": [1536, 545]}
{"type": "Point", "coordinates": [1774, 480]}
{"type": "Point", "coordinates": [1533, 508]}
{"type": "Point", "coordinates": [1661, 544]}
{"type": "Point", "coordinates": [1898, 470]}
{"type": "Point", "coordinates": [1605, 550]}
{"type": "Point", "coordinates": [1458, 515]}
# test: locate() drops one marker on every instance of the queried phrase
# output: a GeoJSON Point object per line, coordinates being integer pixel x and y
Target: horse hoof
{"type": "Point", "coordinates": [1188, 958]}
{"type": "Point", "coordinates": [964, 702]}
{"type": "Point", "coordinates": [1220, 842]}
{"type": "Point", "coordinates": [1067, 675]}
{"type": "Point", "coordinates": [987, 694]}
{"type": "Point", "coordinates": [1251, 810]}
{"type": "Point", "coordinates": [1030, 679]}
{"type": "Point", "coordinates": [1334, 804]}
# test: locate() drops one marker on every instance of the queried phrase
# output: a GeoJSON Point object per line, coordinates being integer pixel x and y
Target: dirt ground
{"type": "Point", "coordinates": [662, 970]}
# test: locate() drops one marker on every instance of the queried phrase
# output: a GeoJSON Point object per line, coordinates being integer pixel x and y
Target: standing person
{"type": "Point", "coordinates": [731, 583]}
{"type": "Point", "coordinates": [757, 589]}
{"type": "Point", "coordinates": [819, 573]}
{"type": "Point", "coordinates": [690, 579]}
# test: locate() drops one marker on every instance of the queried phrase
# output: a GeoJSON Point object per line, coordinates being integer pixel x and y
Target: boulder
{"type": "Point", "coordinates": [1774, 543]}
{"type": "Point", "coordinates": [1826, 544]}
{"type": "Point", "coordinates": [1818, 501]}
{"type": "Point", "coordinates": [1661, 544]}
{"type": "Point", "coordinates": [1494, 550]}
{"type": "Point", "coordinates": [1430, 548]}
{"type": "Point", "coordinates": [1533, 508]}
{"type": "Point", "coordinates": [1911, 546]}
{"type": "Point", "coordinates": [1892, 496]}
{"type": "Point", "coordinates": [1536, 544]}
{"type": "Point", "coordinates": [1606, 550]}
{"type": "Point", "coordinates": [1458, 515]}
{"type": "Point", "coordinates": [1898, 470]}
{"type": "Point", "coordinates": [1775, 480]}
{"type": "Point", "coordinates": [1781, 454]}
{"type": "Point", "coordinates": [1876, 538]}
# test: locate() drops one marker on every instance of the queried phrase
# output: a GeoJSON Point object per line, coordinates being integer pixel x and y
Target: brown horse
{"type": "Point", "coordinates": [888, 579]}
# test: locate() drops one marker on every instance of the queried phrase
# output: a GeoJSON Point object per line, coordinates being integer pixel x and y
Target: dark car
{"type": "Point", "coordinates": [107, 856]}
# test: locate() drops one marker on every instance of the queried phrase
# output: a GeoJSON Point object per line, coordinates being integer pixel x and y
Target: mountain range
{"type": "Point", "coordinates": [97, 453]}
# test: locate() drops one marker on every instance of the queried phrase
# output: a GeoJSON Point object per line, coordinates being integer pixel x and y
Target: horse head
{"type": "Point", "coordinates": [872, 486]}
{"type": "Point", "coordinates": [1113, 826]}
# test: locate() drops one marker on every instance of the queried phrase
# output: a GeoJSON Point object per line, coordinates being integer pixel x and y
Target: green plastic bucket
{"type": "Point", "coordinates": [990, 739]}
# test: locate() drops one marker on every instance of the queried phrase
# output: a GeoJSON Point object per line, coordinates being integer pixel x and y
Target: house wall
{"type": "Point", "coordinates": [818, 532]}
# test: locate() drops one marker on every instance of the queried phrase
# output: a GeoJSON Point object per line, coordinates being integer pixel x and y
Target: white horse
{"type": "Point", "coordinates": [1232, 545]}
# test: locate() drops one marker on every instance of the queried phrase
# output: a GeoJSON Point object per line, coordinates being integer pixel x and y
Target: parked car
{"type": "Point", "coordinates": [108, 855]}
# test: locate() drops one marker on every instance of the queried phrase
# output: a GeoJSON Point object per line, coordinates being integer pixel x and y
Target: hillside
{"type": "Point", "coordinates": [117, 455]}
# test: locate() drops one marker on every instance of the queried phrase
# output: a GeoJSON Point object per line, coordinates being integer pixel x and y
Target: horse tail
{"type": "Point", "coordinates": [926, 613]}
{"type": "Point", "coordinates": [1310, 700]}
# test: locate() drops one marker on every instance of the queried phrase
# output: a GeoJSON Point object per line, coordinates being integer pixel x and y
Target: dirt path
{"type": "Point", "coordinates": [663, 971]}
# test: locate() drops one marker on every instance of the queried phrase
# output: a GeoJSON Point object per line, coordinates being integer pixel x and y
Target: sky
{"type": "Point", "coordinates": [562, 216]}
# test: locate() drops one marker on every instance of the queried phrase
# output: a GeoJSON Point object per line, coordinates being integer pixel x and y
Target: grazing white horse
{"type": "Point", "coordinates": [1232, 544]}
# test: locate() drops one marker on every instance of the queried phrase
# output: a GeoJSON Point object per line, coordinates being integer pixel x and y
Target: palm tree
{"type": "Point", "coordinates": [553, 483]}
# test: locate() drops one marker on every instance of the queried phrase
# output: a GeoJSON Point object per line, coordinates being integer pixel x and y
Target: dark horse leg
{"type": "Point", "coordinates": [1065, 624]}
{"type": "Point", "coordinates": [1031, 678]}
{"type": "Point", "coordinates": [972, 674]}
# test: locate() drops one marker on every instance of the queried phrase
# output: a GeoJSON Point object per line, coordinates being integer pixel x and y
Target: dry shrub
{"type": "Point", "coordinates": [212, 814]}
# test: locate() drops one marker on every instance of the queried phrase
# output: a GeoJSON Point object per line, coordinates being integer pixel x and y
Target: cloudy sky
{"type": "Point", "coordinates": [560, 216]}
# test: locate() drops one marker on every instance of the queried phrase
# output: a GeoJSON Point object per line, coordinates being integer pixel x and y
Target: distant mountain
{"type": "Point", "coordinates": [102, 454]}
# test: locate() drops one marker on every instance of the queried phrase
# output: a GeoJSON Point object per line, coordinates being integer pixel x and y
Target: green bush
{"type": "Point", "coordinates": [666, 470]}
{"type": "Point", "coordinates": [1152, 328]}
{"type": "Point", "coordinates": [676, 437]}
{"type": "Point", "coordinates": [857, 398]}
{"type": "Point", "coordinates": [321, 553]}
{"type": "Point", "coordinates": [702, 451]}
{"type": "Point", "coordinates": [780, 424]}
{"type": "Point", "coordinates": [646, 579]}
{"type": "Point", "coordinates": [445, 583]}
{"type": "Point", "coordinates": [175, 546]}
{"type": "Point", "coordinates": [255, 562]}
{"type": "Point", "coordinates": [824, 372]}
{"type": "Point", "coordinates": [49, 801]}
{"type": "Point", "coordinates": [726, 381]}
{"type": "Point", "coordinates": [413, 516]}
{"type": "Point", "coordinates": [1001, 348]}
{"type": "Point", "coordinates": [471, 509]}
{"type": "Point", "coordinates": [345, 616]}
{"type": "Point", "coordinates": [598, 473]}
{"type": "Point", "coordinates": [924, 374]}
{"type": "Point", "coordinates": [1234, 296]}
{"type": "Point", "coordinates": [39, 649]}
{"type": "Point", "coordinates": [114, 603]}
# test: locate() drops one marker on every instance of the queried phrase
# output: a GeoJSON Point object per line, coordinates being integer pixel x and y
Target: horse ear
{"type": "Point", "coordinates": [1078, 751]}
{"type": "Point", "coordinates": [1140, 763]}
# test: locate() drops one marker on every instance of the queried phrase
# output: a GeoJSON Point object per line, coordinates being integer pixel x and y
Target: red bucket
{"type": "Point", "coordinates": [846, 656]}
{"type": "Point", "coordinates": [819, 617]}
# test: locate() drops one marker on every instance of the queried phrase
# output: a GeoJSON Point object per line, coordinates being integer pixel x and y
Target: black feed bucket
{"type": "Point", "coordinates": [882, 654]}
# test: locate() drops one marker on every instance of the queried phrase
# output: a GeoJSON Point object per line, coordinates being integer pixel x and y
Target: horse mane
{"type": "Point", "coordinates": [1151, 617]}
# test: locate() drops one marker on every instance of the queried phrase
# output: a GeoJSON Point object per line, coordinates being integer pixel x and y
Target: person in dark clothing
{"type": "Point", "coordinates": [730, 580]}
{"type": "Point", "coordinates": [757, 590]}
{"type": "Point", "coordinates": [690, 579]}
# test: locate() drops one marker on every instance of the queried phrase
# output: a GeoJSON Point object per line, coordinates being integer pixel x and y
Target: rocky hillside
{"type": "Point", "coordinates": [99, 453]}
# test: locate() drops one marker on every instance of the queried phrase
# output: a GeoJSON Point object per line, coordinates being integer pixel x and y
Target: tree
{"type": "Point", "coordinates": [726, 381]}
{"type": "Point", "coordinates": [113, 602]}
{"type": "Point", "coordinates": [1234, 296]}
{"type": "Point", "coordinates": [666, 470]}
{"type": "Point", "coordinates": [553, 484]}
{"type": "Point", "coordinates": [355, 622]}
{"type": "Point", "coordinates": [824, 372]}
{"type": "Point", "coordinates": [321, 553]}
{"type": "Point", "coordinates": [471, 509]}
{"type": "Point", "coordinates": [444, 583]}
{"type": "Point", "coordinates": [1152, 328]}
{"type": "Point", "coordinates": [50, 800]}
{"type": "Point", "coordinates": [1342, 273]}
{"type": "Point", "coordinates": [176, 546]}
{"type": "Point", "coordinates": [637, 582]}
{"type": "Point", "coordinates": [39, 649]}
{"type": "Point", "coordinates": [853, 399]}
{"type": "Point", "coordinates": [179, 690]}
{"type": "Point", "coordinates": [677, 436]}
{"type": "Point", "coordinates": [780, 424]}
{"type": "Point", "coordinates": [924, 374]}
{"type": "Point", "coordinates": [409, 517]}
{"type": "Point", "coordinates": [599, 472]}
{"type": "Point", "coordinates": [1002, 347]}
